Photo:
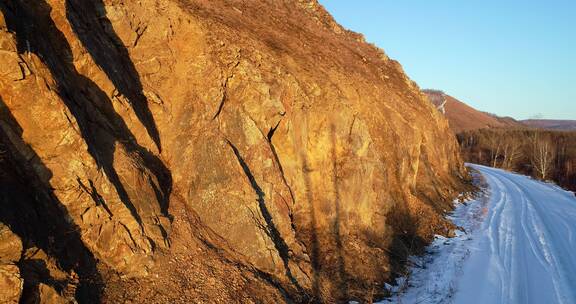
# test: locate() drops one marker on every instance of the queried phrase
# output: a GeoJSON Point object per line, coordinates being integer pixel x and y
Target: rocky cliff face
{"type": "Point", "coordinates": [183, 151]}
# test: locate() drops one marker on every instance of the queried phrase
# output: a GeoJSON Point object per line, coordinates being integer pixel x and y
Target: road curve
{"type": "Point", "coordinates": [525, 251]}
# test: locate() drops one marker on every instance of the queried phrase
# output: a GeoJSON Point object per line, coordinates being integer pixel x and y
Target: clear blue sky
{"type": "Point", "coordinates": [510, 57]}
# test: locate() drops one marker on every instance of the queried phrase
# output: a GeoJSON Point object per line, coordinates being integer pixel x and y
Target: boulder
{"type": "Point", "coordinates": [11, 284]}
{"type": "Point", "coordinates": [10, 246]}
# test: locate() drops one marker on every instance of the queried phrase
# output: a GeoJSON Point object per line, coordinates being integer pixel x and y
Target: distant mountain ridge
{"type": "Point", "coordinates": [552, 124]}
{"type": "Point", "coordinates": [463, 117]}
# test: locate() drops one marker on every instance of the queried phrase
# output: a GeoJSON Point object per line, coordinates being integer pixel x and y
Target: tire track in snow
{"type": "Point", "coordinates": [536, 243]}
{"type": "Point", "coordinates": [553, 251]}
{"type": "Point", "coordinates": [524, 251]}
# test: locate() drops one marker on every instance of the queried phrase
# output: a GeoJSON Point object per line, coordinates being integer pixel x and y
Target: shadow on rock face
{"type": "Point", "coordinates": [314, 241]}
{"type": "Point", "coordinates": [327, 245]}
{"type": "Point", "coordinates": [35, 272]}
{"type": "Point", "coordinates": [89, 22]}
{"type": "Point", "coordinates": [270, 226]}
{"type": "Point", "coordinates": [32, 211]}
{"type": "Point", "coordinates": [100, 126]}
{"type": "Point", "coordinates": [342, 280]}
{"type": "Point", "coordinates": [29, 205]}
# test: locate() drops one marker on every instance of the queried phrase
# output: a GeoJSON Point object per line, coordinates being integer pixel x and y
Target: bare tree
{"type": "Point", "coordinates": [512, 151]}
{"type": "Point", "coordinates": [542, 155]}
{"type": "Point", "coordinates": [494, 144]}
{"type": "Point", "coordinates": [568, 168]}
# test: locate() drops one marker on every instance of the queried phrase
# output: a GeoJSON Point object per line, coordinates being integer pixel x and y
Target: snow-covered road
{"type": "Point", "coordinates": [520, 247]}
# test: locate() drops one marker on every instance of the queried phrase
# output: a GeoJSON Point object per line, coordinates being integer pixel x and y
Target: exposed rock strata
{"type": "Point", "coordinates": [185, 151]}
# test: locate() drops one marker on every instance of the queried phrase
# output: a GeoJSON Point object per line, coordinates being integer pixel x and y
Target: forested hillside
{"type": "Point", "coordinates": [542, 154]}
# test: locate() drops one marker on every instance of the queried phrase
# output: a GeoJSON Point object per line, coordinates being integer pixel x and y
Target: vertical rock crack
{"type": "Point", "coordinates": [272, 231]}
